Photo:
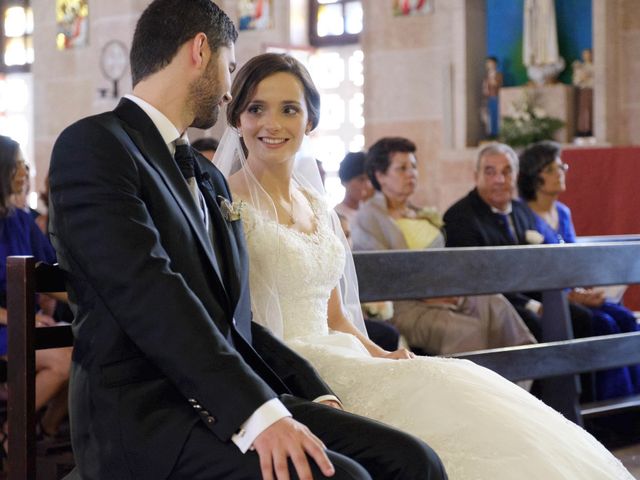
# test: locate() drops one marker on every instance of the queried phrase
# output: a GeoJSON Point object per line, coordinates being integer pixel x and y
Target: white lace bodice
{"type": "Point", "coordinates": [306, 268]}
{"type": "Point", "coordinates": [482, 426]}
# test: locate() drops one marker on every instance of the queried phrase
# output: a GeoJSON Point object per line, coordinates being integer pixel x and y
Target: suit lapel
{"type": "Point", "coordinates": [223, 232]}
{"type": "Point", "coordinates": [152, 149]}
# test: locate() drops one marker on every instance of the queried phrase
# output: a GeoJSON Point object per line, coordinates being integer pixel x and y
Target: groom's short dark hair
{"type": "Point", "coordinates": [165, 25]}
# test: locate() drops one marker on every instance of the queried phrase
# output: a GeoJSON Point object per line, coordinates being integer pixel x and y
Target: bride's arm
{"type": "Point", "coordinates": [338, 321]}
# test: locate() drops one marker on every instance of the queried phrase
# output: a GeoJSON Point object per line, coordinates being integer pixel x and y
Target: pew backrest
{"type": "Point", "coordinates": [402, 275]}
{"type": "Point", "coordinates": [25, 278]}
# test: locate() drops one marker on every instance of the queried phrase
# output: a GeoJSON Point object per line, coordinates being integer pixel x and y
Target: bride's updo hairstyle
{"type": "Point", "coordinates": [257, 69]}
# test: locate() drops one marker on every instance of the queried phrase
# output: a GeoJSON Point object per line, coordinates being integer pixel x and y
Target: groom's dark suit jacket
{"type": "Point", "coordinates": [164, 336]}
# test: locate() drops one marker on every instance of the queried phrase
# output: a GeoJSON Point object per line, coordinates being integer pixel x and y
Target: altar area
{"type": "Point", "coordinates": [555, 100]}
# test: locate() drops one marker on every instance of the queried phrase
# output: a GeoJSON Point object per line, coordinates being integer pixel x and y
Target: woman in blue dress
{"type": "Point", "coordinates": [19, 235]}
{"type": "Point", "coordinates": [541, 180]}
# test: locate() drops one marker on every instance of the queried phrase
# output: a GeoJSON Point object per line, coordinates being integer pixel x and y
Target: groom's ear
{"type": "Point", "coordinates": [199, 51]}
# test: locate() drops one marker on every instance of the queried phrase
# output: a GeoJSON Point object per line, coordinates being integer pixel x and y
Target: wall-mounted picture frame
{"type": "Point", "coordinates": [408, 8]}
{"type": "Point", "coordinates": [72, 20]}
{"type": "Point", "coordinates": [255, 14]}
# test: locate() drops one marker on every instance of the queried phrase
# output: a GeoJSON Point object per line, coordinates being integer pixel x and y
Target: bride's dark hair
{"type": "Point", "coordinates": [262, 66]}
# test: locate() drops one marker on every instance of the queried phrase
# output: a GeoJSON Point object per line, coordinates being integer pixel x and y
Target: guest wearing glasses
{"type": "Point", "coordinates": [490, 216]}
{"type": "Point", "coordinates": [541, 180]}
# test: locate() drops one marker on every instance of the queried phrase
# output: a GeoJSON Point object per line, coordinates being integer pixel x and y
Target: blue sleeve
{"type": "Point", "coordinates": [565, 224]}
{"type": "Point", "coordinates": [41, 247]}
{"type": "Point", "coordinates": [543, 228]}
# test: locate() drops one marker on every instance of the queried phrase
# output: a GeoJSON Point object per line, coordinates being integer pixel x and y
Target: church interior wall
{"type": "Point", "coordinates": [422, 77]}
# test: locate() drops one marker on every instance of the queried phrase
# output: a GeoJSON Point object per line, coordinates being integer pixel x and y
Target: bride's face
{"type": "Point", "coordinates": [276, 119]}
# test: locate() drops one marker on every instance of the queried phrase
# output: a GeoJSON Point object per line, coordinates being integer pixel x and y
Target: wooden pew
{"type": "Point", "coordinates": [400, 275]}
{"type": "Point", "coordinates": [24, 278]}
{"type": "Point", "coordinates": [393, 276]}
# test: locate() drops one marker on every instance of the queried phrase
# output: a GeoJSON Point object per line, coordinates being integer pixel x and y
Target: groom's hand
{"type": "Point", "coordinates": [290, 439]}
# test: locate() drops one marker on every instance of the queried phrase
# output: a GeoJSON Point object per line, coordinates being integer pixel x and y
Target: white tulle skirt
{"type": "Point", "coordinates": [481, 425]}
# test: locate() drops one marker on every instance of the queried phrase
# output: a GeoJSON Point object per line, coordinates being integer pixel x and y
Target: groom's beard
{"type": "Point", "coordinates": [205, 97]}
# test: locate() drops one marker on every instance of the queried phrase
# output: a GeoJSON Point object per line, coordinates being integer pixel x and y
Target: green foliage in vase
{"type": "Point", "coordinates": [528, 123]}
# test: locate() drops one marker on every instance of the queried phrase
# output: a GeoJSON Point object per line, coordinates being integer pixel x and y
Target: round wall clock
{"type": "Point", "coordinates": [114, 60]}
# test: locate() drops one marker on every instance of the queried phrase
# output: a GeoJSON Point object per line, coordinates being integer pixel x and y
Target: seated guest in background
{"type": "Point", "coordinates": [21, 199]}
{"type": "Point", "coordinates": [357, 187]}
{"type": "Point", "coordinates": [19, 235]}
{"type": "Point", "coordinates": [540, 181]}
{"type": "Point", "coordinates": [388, 221]}
{"type": "Point", "coordinates": [207, 146]}
{"type": "Point", "coordinates": [489, 216]}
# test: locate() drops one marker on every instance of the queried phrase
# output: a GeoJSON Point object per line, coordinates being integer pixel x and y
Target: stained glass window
{"type": "Point", "coordinates": [17, 40]}
{"type": "Point", "coordinates": [337, 72]}
{"type": "Point", "coordinates": [335, 22]}
{"type": "Point", "coordinates": [16, 91]}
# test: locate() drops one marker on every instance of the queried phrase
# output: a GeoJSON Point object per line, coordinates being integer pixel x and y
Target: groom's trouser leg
{"type": "Point", "coordinates": [204, 457]}
{"type": "Point", "coordinates": [386, 453]}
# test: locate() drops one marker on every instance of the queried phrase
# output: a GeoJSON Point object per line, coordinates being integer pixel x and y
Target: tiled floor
{"type": "Point", "coordinates": [630, 456]}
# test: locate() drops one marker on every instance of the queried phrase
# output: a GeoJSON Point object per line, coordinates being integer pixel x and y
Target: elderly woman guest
{"type": "Point", "coordinates": [19, 235]}
{"type": "Point", "coordinates": [541, 180]}
{"type": "Point", "coordinates": [388, 221]}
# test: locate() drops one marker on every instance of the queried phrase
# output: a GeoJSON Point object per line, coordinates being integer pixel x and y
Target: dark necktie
{"type": "Point", "coordinates": [507, 227]}
{"type": "Point", "coordinates": [185, 160]}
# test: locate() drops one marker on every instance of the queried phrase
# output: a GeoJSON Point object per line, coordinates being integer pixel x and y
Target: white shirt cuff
{"type": "Point", "coordinates": [322, 398]}
{"type": "Point", "coordinates": [266, 415]}
{"type": "Point", "coordinates": [533, 305]}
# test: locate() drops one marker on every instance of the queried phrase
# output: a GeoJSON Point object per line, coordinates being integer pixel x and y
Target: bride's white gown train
{"type": "Point", "coordinates": [481, 425]}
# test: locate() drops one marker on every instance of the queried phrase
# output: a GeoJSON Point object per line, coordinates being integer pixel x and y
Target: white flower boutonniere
{"type": "Point", "coordinates": [378, 310]}
{"type": "Point", "coordinates": [431, 214]}
{"type": "Point", "coordinates": [533, 237]}
{"type": "Point", "coordinates": [232, 212]}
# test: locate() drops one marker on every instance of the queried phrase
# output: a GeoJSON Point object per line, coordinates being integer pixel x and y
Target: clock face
{"type": "Point", "coordinates": [114, 60]}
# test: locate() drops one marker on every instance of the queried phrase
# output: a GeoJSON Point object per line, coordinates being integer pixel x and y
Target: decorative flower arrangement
{"type": "Point", "coordinates": [231, 212]}
{"type": "Point", "coordinates": [378, 310]}
{"type": "Point", "coordinates": [431, 214]}
{"type": "Point", "coordinates": [533, 237]}
{"type": "Point", "coordinates": [528, 123]}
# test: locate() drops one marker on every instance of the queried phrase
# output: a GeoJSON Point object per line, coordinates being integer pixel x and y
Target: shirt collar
{"type": "Point", "coordinates": [506, 211]}
{"type": "Point", "coordinates": [168, 130]}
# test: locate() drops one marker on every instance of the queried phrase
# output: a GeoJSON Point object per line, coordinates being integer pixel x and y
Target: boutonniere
{"type": "Point", "coordinates": [533, 237]}
{"type": "Point", "coordinates": [232, 212]}
{"type": "Point", "coordinates": [431, 214]}
{"type": "Point", "coordinates": [378, 310]}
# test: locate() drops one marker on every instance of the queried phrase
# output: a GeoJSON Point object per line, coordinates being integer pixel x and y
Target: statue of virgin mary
{"type": "Point", "coordinates": [540, 42]}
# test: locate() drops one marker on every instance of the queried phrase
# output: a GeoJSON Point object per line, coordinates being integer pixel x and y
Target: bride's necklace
{"type": "Point", "coordinates": [288, 210]}
{"type": "Point", "coordinates": [292, 219]}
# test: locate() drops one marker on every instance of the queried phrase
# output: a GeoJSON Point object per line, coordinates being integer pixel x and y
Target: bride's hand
{"type": "Point", "coordinates": [400, 354]}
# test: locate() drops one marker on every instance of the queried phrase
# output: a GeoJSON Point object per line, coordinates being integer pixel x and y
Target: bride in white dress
{"type": "Point", "coordinates": [303, 288]}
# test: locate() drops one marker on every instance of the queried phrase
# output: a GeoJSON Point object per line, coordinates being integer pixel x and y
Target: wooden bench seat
{"type": "Point", "coordinates": [24, 279]}
{"type": "Point", "coordinates": [546, 268]}
{"type": "Point", "coordinates": [407, 275]}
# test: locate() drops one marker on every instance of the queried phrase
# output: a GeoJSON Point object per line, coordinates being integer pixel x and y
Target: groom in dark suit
{"type": "Point", "coordinates": [170, 378]}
